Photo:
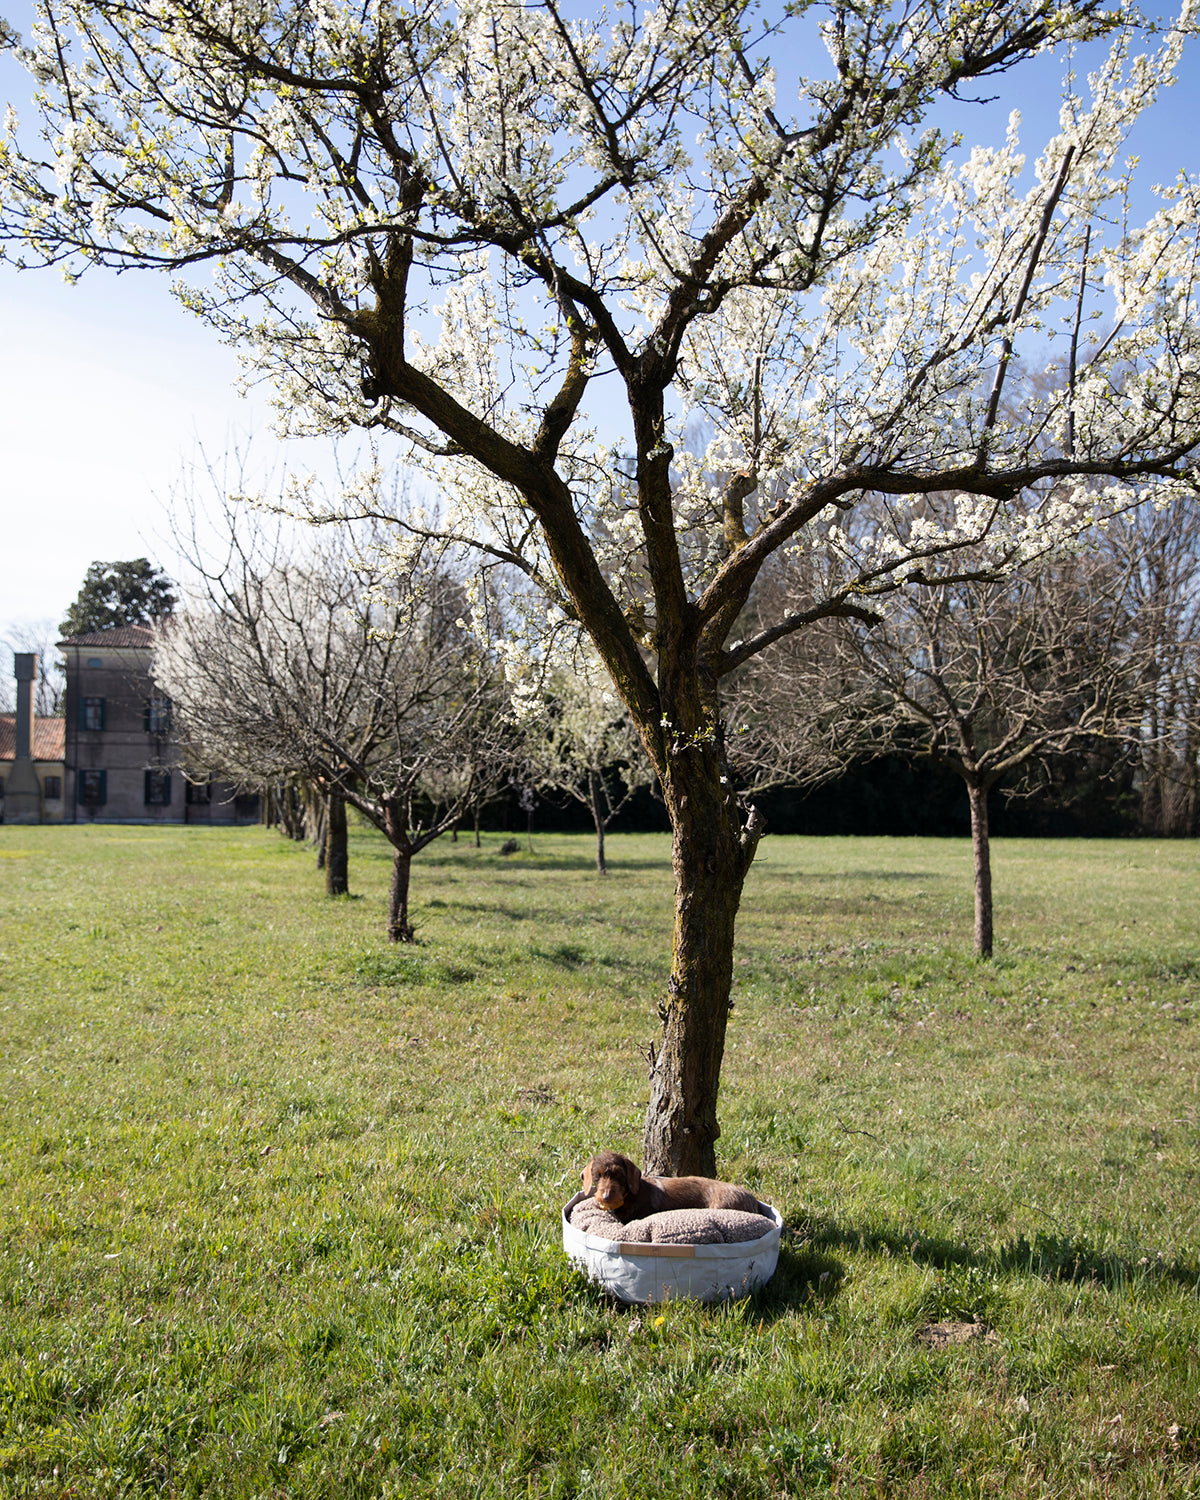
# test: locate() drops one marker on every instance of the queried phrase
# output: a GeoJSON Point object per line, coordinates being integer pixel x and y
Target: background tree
{"type": "Point", "coordinates": [49, 691]}
{"type": "Point", "coordinates": [1158, 547]}
{"type": "Point", "coordinates": [210, 654]}
{"type": "Point", "coordinates": [328, 667]}
{"type": "Point", "coordinates": [446, 224]}
{"type": "Point", "coordinates": [585, 747]}
{"type": "Point", "coordinates": [120, 593]}
{"type": "Point", "coordinates": [988, 675]}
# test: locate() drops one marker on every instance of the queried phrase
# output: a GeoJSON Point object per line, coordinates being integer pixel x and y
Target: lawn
{"type": "Point", "coordinates": [279, 1204]}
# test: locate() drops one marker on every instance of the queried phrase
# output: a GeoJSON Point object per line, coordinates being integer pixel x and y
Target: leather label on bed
{"type": "Point", "coordinates": [644, 1247]}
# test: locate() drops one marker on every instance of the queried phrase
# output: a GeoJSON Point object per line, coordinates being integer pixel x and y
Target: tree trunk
{"type": "Point", "coordinates": [291, 814]}
{"type": "Point", "coordinates": [399, 929]}
{"type": "Point", "coordinates": [598, 819]}
{"type": "Point", "coordinates": [316, 813]}
{"type": "Point", "coordinates": [478, 841]}
{"type": "Point", "coordinates": [981, 848]}
{"type": "Point", "coordinates": [711, 855]}
{"type": "Point", "coordinates": [1190, 771]}
{"type": "Point", "coordinates": [337, 851]}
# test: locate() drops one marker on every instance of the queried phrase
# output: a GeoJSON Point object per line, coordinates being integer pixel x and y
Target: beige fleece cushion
{"type": "Point", "coordinates": [675, 1226]}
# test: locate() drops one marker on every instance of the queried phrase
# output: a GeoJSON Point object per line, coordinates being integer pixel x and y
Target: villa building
{"type": "Point", "coordinates": [112, 758]}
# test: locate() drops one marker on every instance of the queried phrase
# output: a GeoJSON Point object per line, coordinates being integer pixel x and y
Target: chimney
{"type": "Point", "coordinates": [25, 671]}
{"type": "Point", "coordinates": [22, 791]}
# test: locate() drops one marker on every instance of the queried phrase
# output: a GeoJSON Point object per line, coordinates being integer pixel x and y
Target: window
{"type": "Point", "coordinates": [52, 788]}
{"type": "Point", "coordinates": [158, 716]}
{"type": "Point", "coordinates": [198, 793]}
{"type": "Point", "coordinates": [93, 788]}
{"type": "Point", "coordinates": [91, 713]}
{"type": "Point", "coordinates": [158, 788]}
{"type": "Point", "coordinates": [95, 661]}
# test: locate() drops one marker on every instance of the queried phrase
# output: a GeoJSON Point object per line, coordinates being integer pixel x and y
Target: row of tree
{"type": "Point", "coordinates": [350, 679]}
{"type": "Point", "coordinates": [335, 675]}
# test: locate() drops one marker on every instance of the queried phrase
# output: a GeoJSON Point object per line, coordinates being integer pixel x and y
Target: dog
{"type": "Point", "coordinates": [619, 1188]}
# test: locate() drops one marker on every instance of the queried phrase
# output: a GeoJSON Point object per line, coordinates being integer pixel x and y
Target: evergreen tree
{"type": "Point", "coordinates": [120, 593]}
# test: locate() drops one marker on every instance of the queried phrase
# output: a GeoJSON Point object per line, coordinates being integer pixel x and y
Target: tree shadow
{"type": "Point", "coordinates": [574, 956]}
{"type": "Point", "coordinates": [1045, 1256]}
{"type": "Point", "coordinates": [806, 1276]}
{"type": "Point", "coordinates": [810, 1274]}
{"type": "Point", "coordinates": [564, 955]}
{"type": "Point", "coordinates": [822, 877]}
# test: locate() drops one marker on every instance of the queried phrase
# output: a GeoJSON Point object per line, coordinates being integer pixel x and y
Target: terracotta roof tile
{"type": "Point", "coordinates": [123, 635]}
{"type": "Point", "coordinates": [49, 738]}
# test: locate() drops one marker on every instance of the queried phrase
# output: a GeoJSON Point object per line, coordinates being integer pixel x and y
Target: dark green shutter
{"type": "Point", "coordinates": [155, 780]}
{"type": "Point", "coordinates": [83, 707]}
{"type": "Point", "coordinates": [102, 787]}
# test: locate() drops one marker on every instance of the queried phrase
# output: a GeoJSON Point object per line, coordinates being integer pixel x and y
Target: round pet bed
{"type": "Point", "coordinates": [709, 1254]}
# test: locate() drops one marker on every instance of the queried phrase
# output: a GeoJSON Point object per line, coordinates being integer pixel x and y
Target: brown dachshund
{"type": "Point", "coordinates": [617, 1186]}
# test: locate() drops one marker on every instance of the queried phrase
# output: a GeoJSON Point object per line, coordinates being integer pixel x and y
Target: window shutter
{"type": "Point", "coordinates": [91, 788]}
{"type": "Point", "coordinates": [157, 788]}
{"type": "Point", "coordinates": [156, 716]}
{"type": "Point", "coordinates": [96, 707]}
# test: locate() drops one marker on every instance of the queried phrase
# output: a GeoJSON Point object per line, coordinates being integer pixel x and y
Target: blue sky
{"type": "Point", "coordinates": [107, 387]}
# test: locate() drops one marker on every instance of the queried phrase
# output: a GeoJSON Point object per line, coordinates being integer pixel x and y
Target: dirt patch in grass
{"type": "Point", "coordinates": [949, 1335]}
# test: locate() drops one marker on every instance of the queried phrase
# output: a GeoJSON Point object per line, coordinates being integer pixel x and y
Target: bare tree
{"type": "Point", "coordinates": [366, 684]}
{"type": "Point", "coordinates": [585, 746]}
{"type": "Point", "coordinates": [49, 691]}
{"type": "Point", "coordinates": [991, 675]}
{"type": "Point", "coordinates": [1158, 547]}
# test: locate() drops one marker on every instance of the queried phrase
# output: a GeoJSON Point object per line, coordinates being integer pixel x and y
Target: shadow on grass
{"type": "Point", "coordinates": [523, 861]}
{"type": "Point", "coordinates": [806, 1276]}
{"type": "Point", "coordinates": [842, 877]}
{"type": "Point", "coordinates": [546, 914]}
{"type": "Point", "coordinates": [498, 909]}
{"type": "Point", "coordinates": [574, 956]}
{"type": "Point", "coordinates": [1066, 1258]}
{"type": "Point", "coordinates": [1047, 1257]}
{"type": "Point", "coordinates": [408, 965]}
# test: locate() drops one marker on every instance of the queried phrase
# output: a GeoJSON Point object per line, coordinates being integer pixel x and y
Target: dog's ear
{"type": "Point", "coordinates": [633, 1177]}
{"type": "Point", "coordinates": [586, 1174]}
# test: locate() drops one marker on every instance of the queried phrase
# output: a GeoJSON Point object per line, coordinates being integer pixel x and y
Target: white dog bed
{"type": "Point", "coordinates": [709, 1254]}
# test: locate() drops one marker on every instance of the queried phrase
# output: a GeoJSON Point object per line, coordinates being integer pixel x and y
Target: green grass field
{"type": "Point", "coordinates": [279, 1205]}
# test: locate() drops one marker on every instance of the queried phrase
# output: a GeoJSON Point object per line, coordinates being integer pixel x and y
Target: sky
{"type": "Point", "coordinates": [108, 389]}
